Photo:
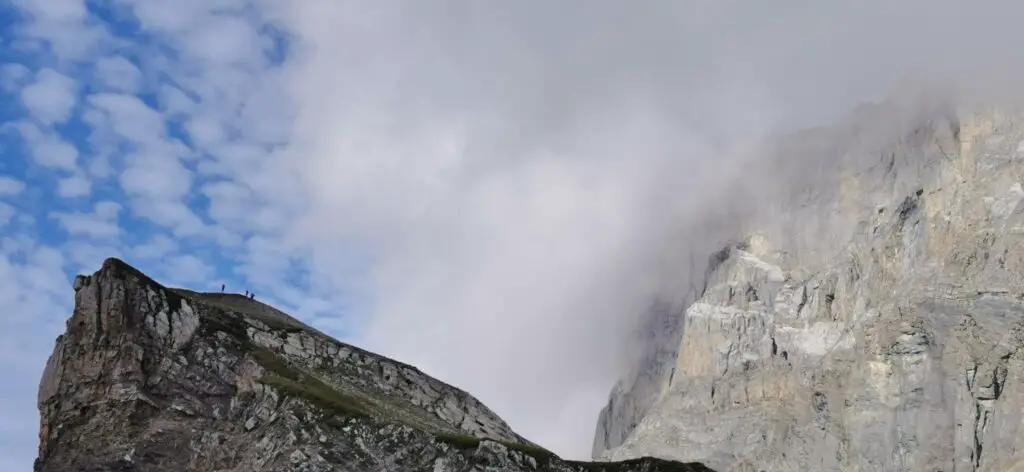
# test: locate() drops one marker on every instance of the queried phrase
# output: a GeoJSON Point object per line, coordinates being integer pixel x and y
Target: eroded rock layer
{"type": "Point", "coordinates": [875, 323]}
{"type": "Point", "coordinates": [153, 379]}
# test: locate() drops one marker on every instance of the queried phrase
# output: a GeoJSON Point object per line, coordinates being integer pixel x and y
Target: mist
{"type": "Point", "coordinates": [515, 182]}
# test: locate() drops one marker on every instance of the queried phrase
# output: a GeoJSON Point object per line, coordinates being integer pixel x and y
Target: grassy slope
{"type": "Point", "coordinates": [231, 314]}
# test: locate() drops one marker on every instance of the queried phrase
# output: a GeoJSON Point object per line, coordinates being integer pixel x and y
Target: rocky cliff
{"type": "Point", "coordinates": [874, 320]}
{"type": "Point", "coordinates": [148, 378]}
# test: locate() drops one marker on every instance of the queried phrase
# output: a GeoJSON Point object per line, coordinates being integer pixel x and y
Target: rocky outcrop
{"type": "Point", "coordinates": [633, 397]}
{"type": "Point", "coordinates": [875, 323]}
{"type": "Point", "coordinates": [153, 379]}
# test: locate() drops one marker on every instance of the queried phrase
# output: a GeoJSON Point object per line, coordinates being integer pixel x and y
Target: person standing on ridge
{"type": "Point", "coordinates": [222, 287]}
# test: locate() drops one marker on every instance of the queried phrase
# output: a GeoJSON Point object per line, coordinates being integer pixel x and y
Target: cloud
{"type": "Point", "coordinates": [153, 174]}
{"type": "Point", "coordinates": [10, 186]}
{"type": "Point", "coordinates": [129, 118]}
{"type": "Point", "coordinates": [48, 148]}
{"type": "Point", "coordinates": [189, 270]}
{"type": "Point", "coordinates": [522, 175]}
{"type": "Point", "coordinates": [101, 223]}
{"type": "Point", "coordinates": [206, 131]}
{"type": "Point", "coordinates": [6, 213]}
{"type": "Point", "coordinates": [176, 216]}
{"type": "Point", "coordinates": [156, 248]}
{"type": "Point", "coordinates": [50, 97]}
{"type": "Point", "coordinates": [77, 185]}
{"type": "Point", "coordinates": [35, 291]}
{"type": "Point", "coordinates": [119, 74]}
{"type": "Point", "coordinates": [87, 256]}
{"type": "Point", "coordinates": [491, 193]}
{"type": "Point", "coordinates": [65, 26]}
{"type": "Point", "coordinates": [13, 76]}
{"type": "Point", "coordinates": [174, 102]}
{"type": "Point", "coordinates": [157, 176]}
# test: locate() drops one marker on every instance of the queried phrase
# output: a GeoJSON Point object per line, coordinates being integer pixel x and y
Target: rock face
{"type": "Point", "coordinates": [875, 323]}
{"type": "Point", "coordinates": [153, 379]}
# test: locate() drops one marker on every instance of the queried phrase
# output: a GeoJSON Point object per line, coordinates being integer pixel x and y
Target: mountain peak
{"type": "Point", "coordinates": [153, 378]}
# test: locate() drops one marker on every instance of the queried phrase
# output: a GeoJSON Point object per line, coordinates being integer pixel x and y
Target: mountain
{"type": "Point", "coordinates": [150, 378]}
{"type": "Point", "coordinates": [871, 316]}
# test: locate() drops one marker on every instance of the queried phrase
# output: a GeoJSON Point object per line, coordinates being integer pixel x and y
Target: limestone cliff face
{"type": "Point", "coordinates": [876, 323]}
{"type": "Point", "coordinates": [634, 396]}
{"type": "Point", "coordinates": [153, 379]}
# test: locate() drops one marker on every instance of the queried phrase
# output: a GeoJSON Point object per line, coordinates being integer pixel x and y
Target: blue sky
{"type": "Point", "coordinates": [130, 130]}
{"type": "Point", "coordinates": [343, 169]}
{"type": "Point", "coordinates": [408, 179]}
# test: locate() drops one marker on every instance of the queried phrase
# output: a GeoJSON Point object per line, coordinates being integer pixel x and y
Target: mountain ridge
{"type": "Point", "coordinates": [152, 378]}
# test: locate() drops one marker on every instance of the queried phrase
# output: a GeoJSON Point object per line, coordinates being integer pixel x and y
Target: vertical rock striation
{"type": "Point", "coordinates": [876, 322]}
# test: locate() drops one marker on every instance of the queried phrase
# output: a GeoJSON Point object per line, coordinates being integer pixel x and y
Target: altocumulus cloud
{"type": "Point", "coordinates": [121, 120]}
{"type": "Point", "coordinates": [490, 193]}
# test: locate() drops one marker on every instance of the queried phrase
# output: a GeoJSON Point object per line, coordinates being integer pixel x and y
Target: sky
{"type": "Point", "coordinates": [492, 192]}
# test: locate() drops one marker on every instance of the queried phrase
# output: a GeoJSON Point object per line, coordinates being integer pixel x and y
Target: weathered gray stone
{"type": "Point", "coordinates": [153, 379]}
{"type": "Point", "coordinates": [875, 321]}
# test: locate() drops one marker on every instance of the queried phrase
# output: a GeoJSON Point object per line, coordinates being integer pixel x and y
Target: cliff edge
{"type": "Point", "coordinates": [149, 378]}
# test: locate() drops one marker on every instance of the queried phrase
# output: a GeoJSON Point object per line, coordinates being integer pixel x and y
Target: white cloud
{"type": "Point", "coordinates": [156, 176]}
{"type": "Point", "coordinates": [153, 175]}
{"type": "Point", "coordinates": [25, 220]}
{"type": "Point", "coordinates": [6, 213]}
{"type": "Point", "coordinates": [186, 269]}
{"type": "Point", "coordinates": [179, 18]}
{"type": "Point", "coordinates": [156, 248]}
{"type": "Point", "coordinates": [174, 102]}
{"type": "Point", "coordinates": [266, 115]}
{"type": "Point", "coordinates": [129, 118]}
{"type": "Point", "coordinates": [206, 131]}
{"type": "Point", "coordinates": [51, 97]}
{"type": "Point", "coordinates": [231, 204]}
{"type": "Point", "coordinates": [233, 160]}
{"type": "Point", "coordinates": [518, 171]}
{"type": "Point", "coordinates": [499, 174]}
{"type": "Point", "coordinates": [101, 223]}
{"type": "Point", "coordinates": [172, 214]}
{"type": "Point", "coordinates": [224, 237]}
{"type": "Point", "coordinates": [47, 148]}
{"type": "Point", "coordinates": [10, 186]}
{"type": "Point", "coordinates": [235, 206]}
{"type": "Point", "coordinates": [13, 76]}
{"type": "Point", "coordinates": [64, 25]}
{"type": "Point", "coordinates": [224, 40]}
{"type": "Point", "coordinates": [53, 151]}
{"type": "Point", "coordinates": [267, 259]}
{"type": "Point", "coordinates": [119, 74]}
{"type": "Point", "coordinates": [56, 11]}
{"type": "Point", "coordinates": [36, 293]}
{"type": "Point", "coordinates": [89, 256]}
{"type": "Point", "coordinates": [107, 210]}
{"type": "Point", "coordinates": [78, 185]}
{"type": "Point", "coordinates": [100, 165]}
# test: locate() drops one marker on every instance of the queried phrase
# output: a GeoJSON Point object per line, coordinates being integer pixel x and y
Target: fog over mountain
{"type": "Point", "coordinates": [527, 176]}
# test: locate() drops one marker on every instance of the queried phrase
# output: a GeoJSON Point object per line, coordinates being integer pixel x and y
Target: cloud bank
{"type": "Point", "coordinates": [528, 176]}
{"type": "Point", "coordinates": [491, 192]}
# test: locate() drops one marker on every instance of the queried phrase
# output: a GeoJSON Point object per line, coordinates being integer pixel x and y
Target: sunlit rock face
{"type": "Point", "coordinates": [152, 379]}
{"type": "Point", "coordinates": [874, 321]}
